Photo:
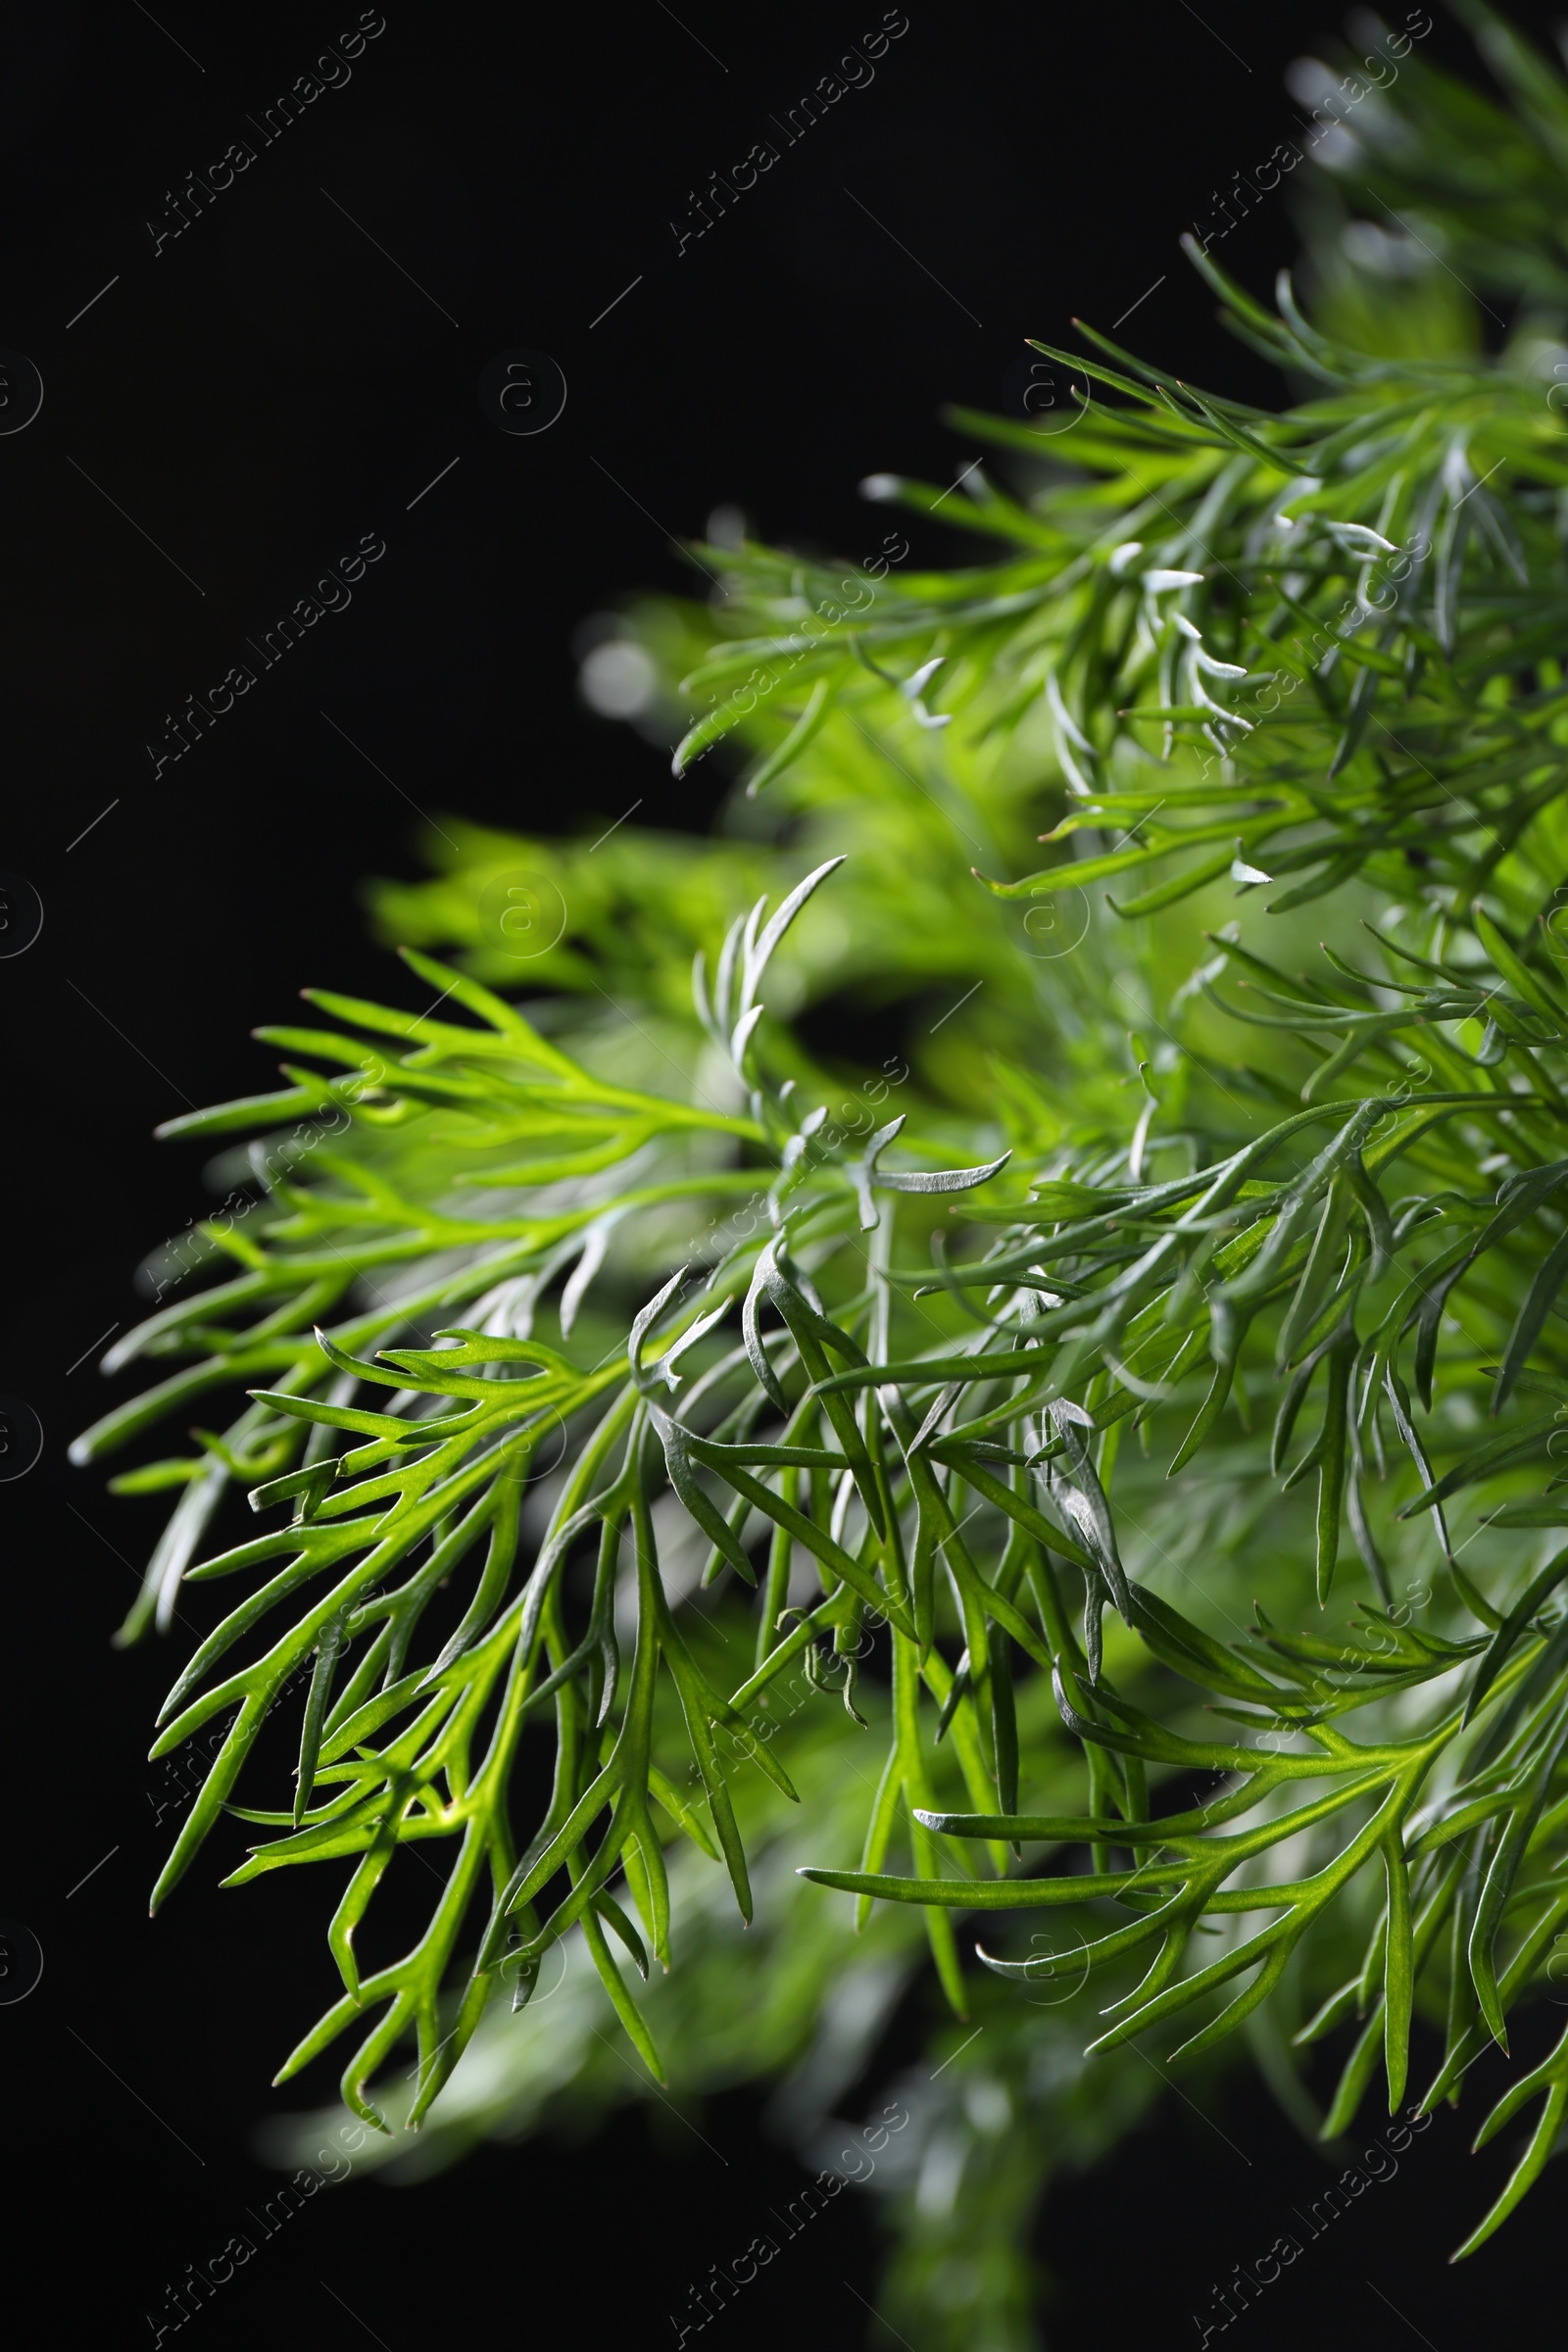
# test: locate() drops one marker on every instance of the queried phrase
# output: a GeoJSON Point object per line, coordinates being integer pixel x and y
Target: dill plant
{"type": "Point", "coordinates": [630, 1378]}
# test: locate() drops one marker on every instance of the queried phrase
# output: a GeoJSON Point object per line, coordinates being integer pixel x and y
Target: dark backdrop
{"type": "Point", "coordinates": [229, 410]}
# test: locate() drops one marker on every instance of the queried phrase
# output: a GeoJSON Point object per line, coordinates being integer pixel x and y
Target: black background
{"type": "Point", "coordinates": [218, 425]}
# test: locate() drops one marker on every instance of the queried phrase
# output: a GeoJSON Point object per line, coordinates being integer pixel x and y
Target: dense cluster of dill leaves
{"type": "Point", "coordinates": [623, 1376]}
